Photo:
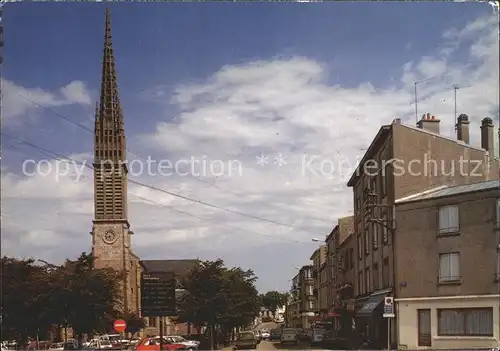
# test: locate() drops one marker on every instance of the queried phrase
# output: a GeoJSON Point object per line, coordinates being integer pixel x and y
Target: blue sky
{"type": "Point", "coordinates": [167, 52]}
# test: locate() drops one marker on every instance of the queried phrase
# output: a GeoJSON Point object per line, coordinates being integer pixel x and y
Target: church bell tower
{"type": "Point", "coordinates": [111, 230]}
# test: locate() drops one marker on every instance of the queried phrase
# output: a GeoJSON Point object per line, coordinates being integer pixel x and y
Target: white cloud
{"type": "Point", "coordinates": [279, 106]}
{"type": "Point", "coordinates": [20, 102]}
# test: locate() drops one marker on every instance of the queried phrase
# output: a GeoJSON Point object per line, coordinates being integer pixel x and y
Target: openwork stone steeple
{"type": "Point", "coordinates": [110, 171]}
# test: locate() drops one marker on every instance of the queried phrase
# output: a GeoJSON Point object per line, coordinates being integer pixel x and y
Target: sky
{"type": "Point", "coordinates": [262, 109]}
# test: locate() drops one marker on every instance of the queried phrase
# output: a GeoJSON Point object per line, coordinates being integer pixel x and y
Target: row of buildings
{"type": "Point", "coordinates": [425, 231]}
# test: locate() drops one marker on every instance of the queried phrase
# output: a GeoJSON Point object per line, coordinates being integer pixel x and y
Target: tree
{"type": "Point", "coordinates": [24, 285]}
{"type": "Point", "coordinates": [272, 300]}
{"type": "Point", "coordinates": [93, 295]}
{"type": "Point", "coordinates": [35, 297]}
{"type": "Point", "coordinates": [218, 296]}
{"type": "Point", "coordinates": [133, 321]}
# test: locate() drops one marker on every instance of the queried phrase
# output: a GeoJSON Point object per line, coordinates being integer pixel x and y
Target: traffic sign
{"type": "Point", "coordinates": [389, 307]}
{"type": "Point", "coordinates": [120, 325]}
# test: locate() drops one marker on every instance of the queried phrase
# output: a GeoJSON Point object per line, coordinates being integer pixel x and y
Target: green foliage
{"type": "Point", "coordinates": [35, 297]}
{"type": "Point", "coordinates": [272, 300]}
{"type": "Point", "coordinates": [217, 295]}
{"type": "Point", "coordinates": [133, 321]}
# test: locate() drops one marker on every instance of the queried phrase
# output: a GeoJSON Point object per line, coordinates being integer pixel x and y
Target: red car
{"type": "Point", "coordinates": [153, 344]}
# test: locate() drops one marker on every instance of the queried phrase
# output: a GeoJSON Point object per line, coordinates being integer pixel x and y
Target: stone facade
{"type": "Point", "coordinates": [111, 234]}
{"type": "Point", "coordinates": [401, 161]}
{"type": "Point", "coordinates": [427, 240]}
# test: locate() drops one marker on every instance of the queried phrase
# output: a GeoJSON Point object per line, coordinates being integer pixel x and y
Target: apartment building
{"type": "Point", "coordinates": [307, 299]}
{"type": "Point", "coordinates": [292, 313]}
{"type": "Point", "coordinates": [345, 275]}
{"type": "Point", "coordinates": [453, 235]}
{"type": "Point", "coordinates": [318, 259]}
{"type": "Point", "coordinates": [403, 160]}
{"type": "Point", "coordinates": [323, 290]}
{"type": "Point", "coordinates": [331, 261]}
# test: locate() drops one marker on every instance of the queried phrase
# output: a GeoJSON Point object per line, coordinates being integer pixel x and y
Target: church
{"type": "Point", "coordinates": [111, 231]}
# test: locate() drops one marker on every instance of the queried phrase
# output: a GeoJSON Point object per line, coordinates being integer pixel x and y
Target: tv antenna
{"type": "Point", "coordinates": [455, 88]}
{"type": "Point", "coordinates": [415, 94]}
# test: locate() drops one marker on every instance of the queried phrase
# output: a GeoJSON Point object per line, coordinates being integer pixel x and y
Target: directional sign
{"type": "Point", "coordinates": [389, 307]}
{"type": "Point", "coordinates": [158, 294]}
{"type": "Point", "coordinates": [120, 325]}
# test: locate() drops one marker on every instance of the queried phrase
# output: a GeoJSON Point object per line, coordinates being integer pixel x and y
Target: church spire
{"type": "Point", "coordinates": [109, 143]}
{"type": "Point", "coordinates": [109, 104]}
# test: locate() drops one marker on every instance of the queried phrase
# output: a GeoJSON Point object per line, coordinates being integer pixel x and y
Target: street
{"type": "Point", "coordinates": [276, 345]}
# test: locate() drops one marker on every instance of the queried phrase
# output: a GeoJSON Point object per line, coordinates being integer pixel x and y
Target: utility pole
{"type": "Point", "coordinates": [369, 205]}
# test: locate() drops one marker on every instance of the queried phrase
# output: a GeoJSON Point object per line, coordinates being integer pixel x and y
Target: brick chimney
{"type": "Point", "coordinates": [487, 134]}
{"type": "Point", "coordinates": [429, 123]}
{"type": "Point", "coordinates": [462, 127]}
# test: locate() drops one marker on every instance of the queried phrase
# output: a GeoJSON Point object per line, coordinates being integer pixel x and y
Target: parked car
{"type": "Point", "coordinates": [257, 336]}
{"type": "Point", "coordinates": [153, 344]}
{"type": "Point", "coordinates": [190, 344]}
{"type": "Point", "coordinates": [265, 334]}
{"type": "Point", "coordinates": [275, 334]}
{"type": "Point", "coordinates": [289, 335]}
{"type": "Point", "coordinates": [317, 336]}
{"type": "Point", "coordinates": [57, 346]}
{"type": "Point", "coordinates": [246, 340]}
{"type": "Point", "coordinates": [305, 334]}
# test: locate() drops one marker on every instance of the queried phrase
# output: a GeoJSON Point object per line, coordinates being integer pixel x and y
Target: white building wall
{"type": "Point", "coordinates": [407, 317]}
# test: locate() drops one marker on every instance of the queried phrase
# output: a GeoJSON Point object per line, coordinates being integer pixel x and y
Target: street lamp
{"type": "Point", "coordinates": [316, 240]}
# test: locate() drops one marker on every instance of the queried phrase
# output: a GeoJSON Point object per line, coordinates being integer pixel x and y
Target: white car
{"type": "Point", "coordinates": [190, 344]}
{"type": "Point", "coordinates": [265, 334]}
{"type": "Point", "coordinates": [289, 335]}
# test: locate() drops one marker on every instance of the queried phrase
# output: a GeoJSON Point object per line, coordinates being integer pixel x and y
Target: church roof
{"type": "Point", "coordinates": [179, 267]}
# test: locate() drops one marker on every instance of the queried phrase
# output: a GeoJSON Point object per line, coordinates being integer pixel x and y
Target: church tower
{"type": "Point", "coordinates": [111, 230]}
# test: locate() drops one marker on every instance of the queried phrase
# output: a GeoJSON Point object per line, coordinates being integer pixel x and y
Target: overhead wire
{"type": "Point", "coordinates": [61, 157]}
{"type": "Point", "coordinates": [187, 198]}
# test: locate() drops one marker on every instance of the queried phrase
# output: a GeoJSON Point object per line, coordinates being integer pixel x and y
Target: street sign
{"type": "Point", "coordinates": [120, 325]}
{"type": "Point", "coordinates": [389, 307]}
{"type": "Point", "coordinates": [158, 294]}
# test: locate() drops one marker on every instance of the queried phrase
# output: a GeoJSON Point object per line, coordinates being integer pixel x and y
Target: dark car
{"type": "Point", "coordinates": [246, 340]}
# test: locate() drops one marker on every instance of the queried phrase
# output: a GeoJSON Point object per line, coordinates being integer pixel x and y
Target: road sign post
{"type": "Point", "coordinates": [120, 325]}
{"type": "Point", "coordinates": [389, 313]}
{"type": "Point", "coordinates": [158, 297]}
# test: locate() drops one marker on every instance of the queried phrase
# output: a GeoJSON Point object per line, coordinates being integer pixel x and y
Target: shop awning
{"type": "Point", "coordinates": [370, 305]}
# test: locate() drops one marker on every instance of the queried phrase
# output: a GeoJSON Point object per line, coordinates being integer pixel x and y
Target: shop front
{"type": "Point", "coordinates": [371, 326]}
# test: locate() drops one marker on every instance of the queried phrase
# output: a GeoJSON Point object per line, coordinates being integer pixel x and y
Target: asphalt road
{"type": "Point", "coordinates": [276, 345]}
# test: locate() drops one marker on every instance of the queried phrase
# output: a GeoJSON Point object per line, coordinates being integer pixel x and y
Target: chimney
{"type": "Point", "coordinates": [487, 134]}
{"type": "Point", "coordinates": [429, 123]}
{"type": "Point", "coordinates": [462, 127]}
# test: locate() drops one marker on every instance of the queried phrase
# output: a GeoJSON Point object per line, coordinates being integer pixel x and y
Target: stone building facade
{"type": "Point", "coordinates": [453, 235]}
{"type": "Point", "coordinates": [403, 160]}
{"type": "Point", "coordinates": [111, 231]}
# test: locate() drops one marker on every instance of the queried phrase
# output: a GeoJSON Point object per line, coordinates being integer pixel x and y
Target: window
{"type": "Point", "coordinates": [373, 184]}
{"type": "Point", "coordinates": [449, 267]}
{"type": "Point", "coordinates": [385, 231]}
{"type": "Point", "coordinates": [375, 230]}
{"type": "Point", "coordinates": [385, 273]}
{"type": "Point", "coordinates": [375, 277]}
{"type": "Point", "coordinates": [360, 283]}
{"type": "Point", "coordinates": [498, 213]}
{"type": "Point", "coordinates": [497, 275]}
{"type": "Point", "coordinates": [424, 327]}
{"type": "Point", "coordinates": [465, 322]}
{"type": "Point", "coordinates": [367, 240]}
{"type": "Point", "coordinates": [367, 279]}
{"type": "Point", "coordinates": [383, 178]}
{"type": "Point", "coordinates": [360, 247]}
{"type": "Point", "coordinates": [448, 220]}
{"type": "Point", "coordinates": [351, 258]}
